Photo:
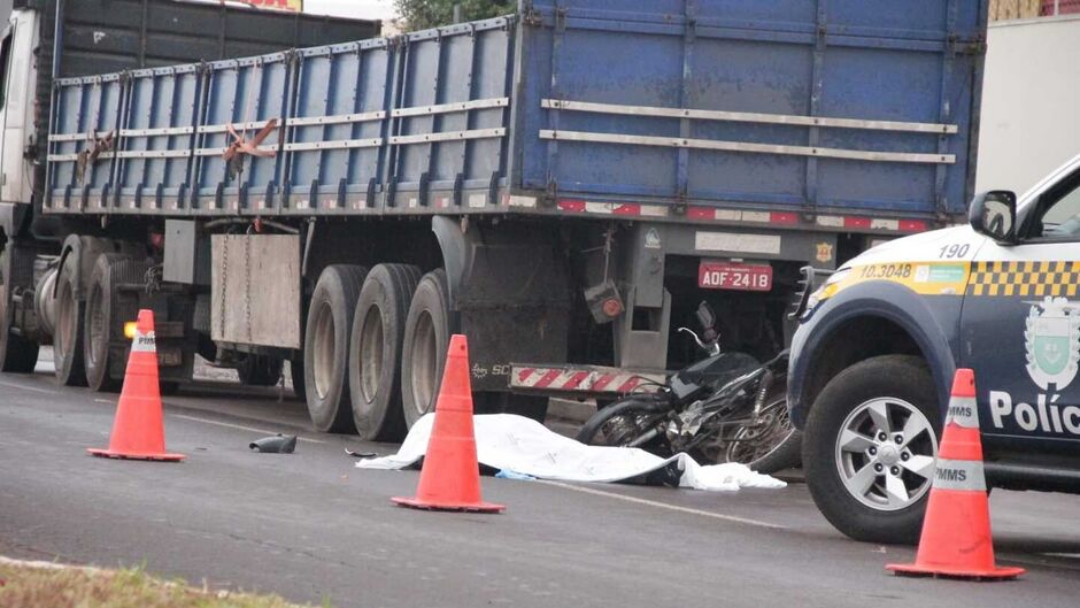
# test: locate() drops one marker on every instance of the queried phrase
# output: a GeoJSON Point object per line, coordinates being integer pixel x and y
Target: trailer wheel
{"type": "Point", "coordinates": [260, 370]}
{"type": "Point", "coordinates": [17, 354]}
{"type": "Point", "coordinates": [106, 314]}
{"type": "Point", "coordinates": [99, 325]}
{"type": "Point", "coordinates": [375, 351]}
{"type": "Point", "coordinates": [67, 341]}
{"type": "Point", "coordinates": [326, 347]}
{"type": "Point", "coordinates": [427, 336]}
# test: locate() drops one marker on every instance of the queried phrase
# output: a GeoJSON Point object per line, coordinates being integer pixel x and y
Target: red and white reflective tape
{"type": "Point", "coordinates": [869, 223]}
{"type": "Point", "coordinates": [579, 380]}
{"type": "Point", "coordinates": [623, 209]}
{"type": "Point", "coordinates": [786, 218]}
{"type": "Point", "coordinates": [711, 214]}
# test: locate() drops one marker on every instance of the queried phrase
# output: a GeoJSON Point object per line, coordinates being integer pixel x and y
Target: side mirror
{"type": "Point", "coordinates": [993, 214]}
{"type": "Point", "coordinates": [706, 316]}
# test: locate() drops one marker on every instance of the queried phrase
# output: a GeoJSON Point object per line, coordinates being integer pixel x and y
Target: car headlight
{"type": "Point", "coordinates": [826, 289]}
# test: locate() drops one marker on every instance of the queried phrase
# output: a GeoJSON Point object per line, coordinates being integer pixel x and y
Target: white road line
{"type": "Point", "coordinates": [32, 389]}
{"type": "Point", "coordinates": [660, 505]}
{"type": "Point", "coordinates": [239, 427]}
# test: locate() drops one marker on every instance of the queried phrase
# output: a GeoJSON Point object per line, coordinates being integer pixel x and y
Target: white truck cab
{"type": "Point", "coordinates": [18, 75]}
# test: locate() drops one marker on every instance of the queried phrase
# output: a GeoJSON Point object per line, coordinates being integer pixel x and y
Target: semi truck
{"type": "Point", "coordinates": [563, 185]}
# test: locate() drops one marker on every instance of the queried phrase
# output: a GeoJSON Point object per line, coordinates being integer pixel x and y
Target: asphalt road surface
{"type": "Point", "coordinates": [311, 527]}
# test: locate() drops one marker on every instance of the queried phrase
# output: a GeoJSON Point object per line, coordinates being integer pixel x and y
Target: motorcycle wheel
{"type": "Point", "coordinates": [625, 421]}
{"type": "Point", "coordinates": [773, 444]}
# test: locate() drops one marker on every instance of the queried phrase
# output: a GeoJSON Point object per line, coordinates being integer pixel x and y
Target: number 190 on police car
{"type": "Point", "coordinates": [715, 274]}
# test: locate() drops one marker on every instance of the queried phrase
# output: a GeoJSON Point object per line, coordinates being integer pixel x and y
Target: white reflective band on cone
{"type": "Point", "coordinates": [959, 475]}
{"type": "Point", "coordinates": [963, 411]}
{"type": "Point", "coordinates": [144, 343]}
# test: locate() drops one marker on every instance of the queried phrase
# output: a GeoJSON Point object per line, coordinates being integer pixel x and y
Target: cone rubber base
{"type": "Point", "coordinates": [923, 571]}
{"type": "Point", "coordinates": [123, 456]}
{"type": "Point", "coordinates": [478, 507]}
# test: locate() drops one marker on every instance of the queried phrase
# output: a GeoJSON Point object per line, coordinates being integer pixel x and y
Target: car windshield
{"type": "Point", "coordinates": [1032, 193]}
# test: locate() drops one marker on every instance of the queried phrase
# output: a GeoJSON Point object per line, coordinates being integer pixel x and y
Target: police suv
{"type": "Point", "coordinates": [880, 339]}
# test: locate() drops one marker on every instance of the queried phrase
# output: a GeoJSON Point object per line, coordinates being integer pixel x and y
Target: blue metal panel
{"type": "Point", "coordinates": [378, 126]}
{"type": "Point", "coordinates": [879, 60]}
{"type": "Point", "coordinates": [338, 81]}
{"type": "Point", "coordinates": [160, 99]}
{"type": "Point", "coordinates": [91, 109]}
{"type": "Point", "coordinates": [239, 93]}
{"type": "Point", "coordinates": [466, 63]}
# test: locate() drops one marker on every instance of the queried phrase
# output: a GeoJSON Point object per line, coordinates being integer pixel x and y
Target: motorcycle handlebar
{"type": "Point", "coordinates": [711, 346]}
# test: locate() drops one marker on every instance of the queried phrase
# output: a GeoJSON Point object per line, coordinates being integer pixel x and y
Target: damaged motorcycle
{"type": "Point", "coordinates": [728, 407]}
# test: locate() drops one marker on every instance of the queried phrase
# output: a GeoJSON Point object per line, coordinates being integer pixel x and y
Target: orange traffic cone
{"type": "Point", "coordinates": [139, 431]}
{"type": "Point", "coordinates": [450, 478]}
{"type": "Point", "coordinates": [956, 539]}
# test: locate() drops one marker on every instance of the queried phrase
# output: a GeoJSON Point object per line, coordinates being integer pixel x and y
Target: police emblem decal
{"type": "Point", "coordinates": [1052, 337]}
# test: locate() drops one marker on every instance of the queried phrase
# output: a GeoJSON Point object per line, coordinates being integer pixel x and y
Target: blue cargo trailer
{"type": "Point", "coordinates": [694, 109]}
{"type": "Point", "coordinates": [561, 184]}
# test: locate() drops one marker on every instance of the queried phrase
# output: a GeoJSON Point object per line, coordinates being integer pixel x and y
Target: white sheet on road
{"type": "Point", "coordinates": [522, 445]}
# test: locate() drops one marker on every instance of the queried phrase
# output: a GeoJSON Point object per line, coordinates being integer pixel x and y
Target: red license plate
{"type": "Point", "coordinates": [734, 276]}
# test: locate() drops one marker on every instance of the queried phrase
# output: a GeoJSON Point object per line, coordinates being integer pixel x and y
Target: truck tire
{"type": "Point", "coordinates": [17, 354]}
{"type": "Point", "coordinates": [869, 448]}
{"type": "Point", "coordinates": [378, 331]}
{"type": "Point", "coordinates": [326, 347]}
{"type": "Point", "coordinates": [103, 322]}
{"type": "Point", "coordinates": [423, 355]}
{"type": "Point", "coordinates": [67, 341]}
{"type": "Point", "coordinates": [260, 370]}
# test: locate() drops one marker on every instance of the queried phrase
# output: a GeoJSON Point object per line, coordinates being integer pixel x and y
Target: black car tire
{"type": "Point", "coordinates": [898, 377]}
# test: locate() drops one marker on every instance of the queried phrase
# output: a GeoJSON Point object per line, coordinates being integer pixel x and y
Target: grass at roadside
{"type": "Point", "coordinates": [27, 585]}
